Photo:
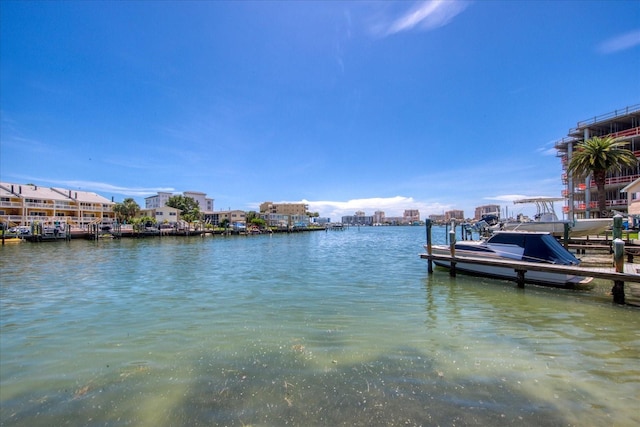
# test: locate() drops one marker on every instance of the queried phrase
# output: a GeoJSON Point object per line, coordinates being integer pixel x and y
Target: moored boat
{"type": "Point", "coordinates": [12, 240]}
{"type": "Point", "coordinates": [547, 220]}
{"type": "Point", "coordinates": [535, 247]}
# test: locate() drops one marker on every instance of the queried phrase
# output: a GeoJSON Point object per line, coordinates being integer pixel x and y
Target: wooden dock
{"type": "Point", "coordinates": [523, 267]}
{"type": "Point", "coordinates": [611, 268]}
{"type": "Point", "coordinates": [630, 274]}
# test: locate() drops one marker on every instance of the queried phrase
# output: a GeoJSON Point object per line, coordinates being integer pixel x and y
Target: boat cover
{"type": "Point", "coordinates": [538, 247]}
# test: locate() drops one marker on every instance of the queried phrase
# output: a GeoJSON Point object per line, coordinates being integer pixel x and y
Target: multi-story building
{"type": "Point", "coordinates": [24, 204]}
{"type": "Point", "coordinates": [486, 210]}
{"type": "Point", "coordinates": [235, 218]}
{"type": "Point", "coordinates": [285, 214]}
{"type": "Point", "coordinates": [160, 200]}
{"type": "Point", "coordinates": [379, 217]}
{"type": "Point", "coordinates": [580, 193]}
{"type": "Point", "coordinates": [411, 216]}
{"type": "Point", "coordinates": [358, 219]}
{"type": "Point", "coordinates": [164, 216]}
{"type": "Point", "coordinates": [437, 218]}
{"type": "Point", "coordinates": [454, 214]}
{"type": "Point", "coordinates": [205, 203]}
{"type": "Point", "coordinates": [284, 208]}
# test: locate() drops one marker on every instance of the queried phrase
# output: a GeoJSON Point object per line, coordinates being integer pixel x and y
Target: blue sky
{"type": "Point", "coordinates": [347, 106]}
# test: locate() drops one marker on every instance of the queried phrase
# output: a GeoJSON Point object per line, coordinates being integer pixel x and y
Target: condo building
{"type": "Point", "coordinates": [486, 210]}
{"type": "Point", "coordinates": [284, 208]}
{"type": "Point", "coordinates": [580, 192]}
{"type": "Point", "coordinates": [25, 204]}
{"type": "Point", "coordinates": [157, 203]}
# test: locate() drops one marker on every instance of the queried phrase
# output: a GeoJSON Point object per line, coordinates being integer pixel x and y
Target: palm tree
{"type": "Point", "coordinates": [599, 156]}
{"type": "Point", "coordinates": [127, 210]}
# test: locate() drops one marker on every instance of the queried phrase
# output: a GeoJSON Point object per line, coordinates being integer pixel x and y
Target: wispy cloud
{"type": "Point", "coordinates": [99, 187]}
{"type": "Point", "coordinates": [427, 15]}
{"type": "Point", "coordinates": [622, 42]}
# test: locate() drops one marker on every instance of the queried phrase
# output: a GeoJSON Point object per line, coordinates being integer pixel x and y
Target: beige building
{"type": "Point", "coordinates": [162, 215]}
{"type": "Point", "coordinates": [486, 210]}
{"type": "Point", "coordinates": [454, 214]}
{"type": "Point", "coordinates": [633, 197]}
{"type": "Point", "coordinates": [379, 217]}
{"type": "Point", "coordinates": [236, 218]}
{"type": "Point", "coordinates": [437, 218]}
{"type": "Point", "coordinates": [410, 216]}
{"type": "Point", "coordinates": [284, 208]}
{"type": "Point", "coordinates": [23, 204]}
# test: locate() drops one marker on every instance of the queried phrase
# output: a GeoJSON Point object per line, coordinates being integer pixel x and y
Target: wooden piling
{"type": "Point", "coordinates": [427, 224]}
{"type": "Point", "coordinates": [520, 277]}
{"type": "Point", "coordinates": [452, 250]}
{"type": "Point", "coordinates": [618, 260]}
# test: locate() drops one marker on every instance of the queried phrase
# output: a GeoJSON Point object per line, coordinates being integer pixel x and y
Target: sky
{"type": "Point", "coordinates": [344, 105]}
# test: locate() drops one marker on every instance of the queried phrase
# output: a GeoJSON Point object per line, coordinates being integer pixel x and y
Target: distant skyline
{"type": "Point", "coordinates": [345, 106]}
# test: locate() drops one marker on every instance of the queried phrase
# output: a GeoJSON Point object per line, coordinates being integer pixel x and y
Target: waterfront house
{"type": "Point", "coordinates": [633, 197]}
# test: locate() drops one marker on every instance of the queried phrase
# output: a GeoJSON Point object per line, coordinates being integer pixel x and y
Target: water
{"type": "Point", "coordinates": [319, 328]}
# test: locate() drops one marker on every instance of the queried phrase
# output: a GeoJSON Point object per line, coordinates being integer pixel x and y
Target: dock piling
{"type": "Point", "coordinates": [452, 249]}
{"type": "Point", "coordinates": [427, 224]}
{"type": "Point", "coordinates": [618, 260]}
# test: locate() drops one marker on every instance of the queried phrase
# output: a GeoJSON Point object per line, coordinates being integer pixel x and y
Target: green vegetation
{"type": "Point", "coordinates": [599, 156]}
{"type": "Point", "coordinates": [189, 208]}
{"type": "Point", "coordinates": [127, 210]}
{"type": "Point", "coordinates": [258, 222]}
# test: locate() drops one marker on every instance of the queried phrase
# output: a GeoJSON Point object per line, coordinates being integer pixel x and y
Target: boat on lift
{"type": "Point", "coordinates": [547, 220]}
{"type": "Point", "coordinates": [536, 247]}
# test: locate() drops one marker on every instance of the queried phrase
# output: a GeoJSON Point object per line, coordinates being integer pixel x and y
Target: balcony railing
{"type": "Point", "coordinates": [606, 116]}
{"type": "Point", "coordinates": [626, 133]}
{"type": "Point", "coordinates": [68, 219]}
{"type": "Point", "coordinates": [10, 205]}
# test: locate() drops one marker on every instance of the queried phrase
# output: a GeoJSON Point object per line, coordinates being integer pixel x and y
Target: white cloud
{"type": "Point", "coordinates": [621, 42]}
{"type": "Point", "coordinates": [101, 187]}
{"type": "Point", "coordinates": [427, 15]}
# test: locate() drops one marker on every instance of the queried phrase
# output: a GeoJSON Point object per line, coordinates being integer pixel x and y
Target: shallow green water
{"type": "Point", "coordinates": [321, 328]}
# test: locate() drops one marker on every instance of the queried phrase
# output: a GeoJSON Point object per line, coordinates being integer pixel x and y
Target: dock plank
{"type": "Point", "coordinates": [599, 273]}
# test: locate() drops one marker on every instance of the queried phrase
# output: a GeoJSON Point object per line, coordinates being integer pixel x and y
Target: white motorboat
{"type": "Point", "coordinates": [537, 247]}
{"type": "Point", "coordinates": [547, 220]}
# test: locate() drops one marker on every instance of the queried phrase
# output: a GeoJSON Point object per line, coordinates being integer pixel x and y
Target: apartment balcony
{"type": "Point", "coordinates": [10, 205]}
{"type": "Point", "coordinates": [48, 206]}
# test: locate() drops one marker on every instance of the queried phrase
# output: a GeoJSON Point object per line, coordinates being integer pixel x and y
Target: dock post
{"type": "Point", "coordinates": [427, 224]}
{"type": "Point", "coordinates": [520, 278]}
{"type": "Point", "coordinates": [618, 260]}
{"type": "Point", "coordinates": [617, 227]}
{"type": "Point", "coordinates": [565, 235]}
{"type": "Point", "coordinates": [452, 249]}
